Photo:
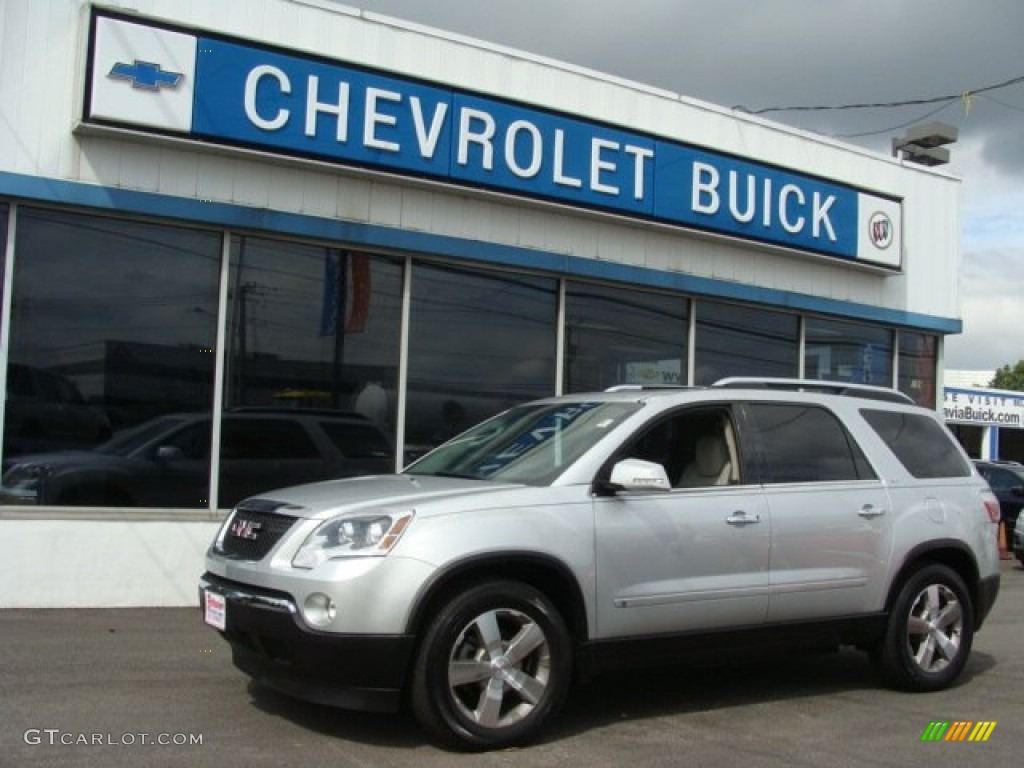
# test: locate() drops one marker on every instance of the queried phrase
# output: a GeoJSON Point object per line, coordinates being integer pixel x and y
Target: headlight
{"type": "Point", "coordinates": [22, 482]}
{"type": "Point", "coordinates": [25, 475]}
{"type": "Point", "coordinates": [366, 535]}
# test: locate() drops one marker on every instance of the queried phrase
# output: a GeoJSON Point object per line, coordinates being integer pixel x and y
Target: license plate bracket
{"type": "Point", "coordinates": [215, 610]}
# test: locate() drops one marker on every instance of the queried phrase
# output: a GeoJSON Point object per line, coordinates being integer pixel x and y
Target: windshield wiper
{"type": "Point", "coordinates": [459, 475]}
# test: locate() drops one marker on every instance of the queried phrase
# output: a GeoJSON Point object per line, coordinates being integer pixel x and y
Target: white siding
{"type": "Point", "coordinates": [40, 99]}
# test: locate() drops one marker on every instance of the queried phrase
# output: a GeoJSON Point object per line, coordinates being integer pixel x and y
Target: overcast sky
{"type": "Point", "coordinates": [759, 54]}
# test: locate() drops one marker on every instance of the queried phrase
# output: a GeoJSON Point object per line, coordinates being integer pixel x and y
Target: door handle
{"type": "Point", "coordinates": [870, 511]}
{"type": "Point", "coordinates": [741, 518]}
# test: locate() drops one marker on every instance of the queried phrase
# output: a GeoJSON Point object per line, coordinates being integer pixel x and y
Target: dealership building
{"type": "Point", "coordinates": [346, 237]}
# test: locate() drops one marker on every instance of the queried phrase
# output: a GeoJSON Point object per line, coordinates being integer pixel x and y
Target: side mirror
{"type": "Point", "coordinates": [639, 475]}
{"type": "Point", "coordinates": [168, 453]}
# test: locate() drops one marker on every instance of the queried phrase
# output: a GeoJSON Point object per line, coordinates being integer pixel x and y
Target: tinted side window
{"type": "Point", "coordinates": [805, 444]}
{"type": "Point", "coordinates": [357, 441]}
{"type": "Point", "coordinates": [921, 444]}
{"type": "Point", "coordinates": [48, 387]}
{"type": "Point", "coordinates": [193, 441]}
{"type": "Point", "coordinates": [266, 439]}
{"type": "Point", "coordinates": [19, 380]}
{"type": "Point", "coordinates": [68, 392]}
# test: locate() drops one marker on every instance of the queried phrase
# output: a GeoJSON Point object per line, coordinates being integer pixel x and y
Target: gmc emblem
{"type": "Point", "coordinates": [245, 529]}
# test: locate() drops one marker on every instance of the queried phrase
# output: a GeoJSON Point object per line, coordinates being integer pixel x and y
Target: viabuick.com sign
{"type": "Point", "coordinates": [964, 406]}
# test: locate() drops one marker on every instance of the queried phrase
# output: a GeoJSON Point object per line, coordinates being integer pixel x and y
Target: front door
{"type": "Point", "coordinates": [694, 557]}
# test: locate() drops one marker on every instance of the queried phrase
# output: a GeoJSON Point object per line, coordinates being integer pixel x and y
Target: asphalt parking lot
{"type": "Point", "coordinates": [154, 687]}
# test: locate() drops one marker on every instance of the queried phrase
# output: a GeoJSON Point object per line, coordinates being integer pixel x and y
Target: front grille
{"type": "Point", "coordinates": [252, 533]}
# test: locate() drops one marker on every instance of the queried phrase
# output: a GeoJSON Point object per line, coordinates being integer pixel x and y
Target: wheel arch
{"type": "Point", "coordinates": [953, 554]}
{"type": "Point", "coordinates": [543, 572]}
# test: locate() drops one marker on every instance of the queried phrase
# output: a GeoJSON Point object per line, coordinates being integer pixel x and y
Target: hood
{"type": "Point", "coordinates": [61, 460]}
{"type": "Point", "coordinates": [334, 497]}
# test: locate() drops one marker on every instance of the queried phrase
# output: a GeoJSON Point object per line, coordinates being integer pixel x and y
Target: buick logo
{"type": "Point", "coordinates": [880, 230]}
{"type": "Point", "coordinates": [245, 529]}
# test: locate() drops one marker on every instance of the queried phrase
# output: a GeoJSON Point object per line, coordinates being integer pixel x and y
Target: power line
{"type": "Point", "coordinates": [891, 128]}
{"type": "Point", "coordinates": [966, 95]}
{"type": "Point", "coordinates": [1014, 107]}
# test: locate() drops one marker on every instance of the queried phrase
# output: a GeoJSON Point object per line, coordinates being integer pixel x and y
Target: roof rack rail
{"type": "Point", "coordinates": [645, 387]}
{"type": "Point", "coordinates": [850, 389]}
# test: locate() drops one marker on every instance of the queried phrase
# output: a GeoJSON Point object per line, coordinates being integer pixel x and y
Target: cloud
{"type": "Point", "coordinates": [1003, 147]}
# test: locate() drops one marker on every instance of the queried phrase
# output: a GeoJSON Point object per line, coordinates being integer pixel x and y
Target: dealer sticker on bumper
{"type": "Point", "coordinates": [216, 610]}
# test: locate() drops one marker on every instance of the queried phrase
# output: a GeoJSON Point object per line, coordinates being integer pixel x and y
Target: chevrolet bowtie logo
{"type": "Point", "coordinates": [145, 75]}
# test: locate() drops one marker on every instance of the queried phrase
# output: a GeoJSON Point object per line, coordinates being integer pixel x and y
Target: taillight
{"type": "Point", "coordinates": [991, 506]}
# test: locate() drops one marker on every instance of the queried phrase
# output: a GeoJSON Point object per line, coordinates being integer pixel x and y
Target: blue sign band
{"type": "Point", "coordinates": [289, 103]}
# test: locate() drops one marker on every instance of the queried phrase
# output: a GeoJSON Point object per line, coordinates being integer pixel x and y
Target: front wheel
{"type": "Point", "coordinates": [930, 631]}
{"type": "Point", "coordinates": [494, 665]}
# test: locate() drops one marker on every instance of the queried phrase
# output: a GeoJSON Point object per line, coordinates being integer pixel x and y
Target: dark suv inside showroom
{"type": "Point", "coordinates": [165, 462]}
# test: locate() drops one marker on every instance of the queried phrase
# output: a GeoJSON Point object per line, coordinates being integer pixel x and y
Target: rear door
{"type": "Point", "coordinates": [831, 517]}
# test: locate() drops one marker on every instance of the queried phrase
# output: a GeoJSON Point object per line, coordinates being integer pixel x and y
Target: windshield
{"type": "Point", "coordinates": [531, 444]}
{"type": "Point", "coordinates": [127, 442]}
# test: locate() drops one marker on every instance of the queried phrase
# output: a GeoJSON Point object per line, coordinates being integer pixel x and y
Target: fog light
{"type": "Point", "coordinates": [319, 609]}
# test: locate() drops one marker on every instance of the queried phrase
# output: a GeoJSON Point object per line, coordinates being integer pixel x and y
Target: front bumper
{"type": "Point", "coordinates": [271, 643]}
{"type": "Point", "coordinates": [18, 496]}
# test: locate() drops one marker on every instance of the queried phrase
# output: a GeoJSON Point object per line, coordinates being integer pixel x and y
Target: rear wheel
{"type": "Point", "coordinates": [930, 631]}
{"type": "Point", "coordinates": [494, 665]}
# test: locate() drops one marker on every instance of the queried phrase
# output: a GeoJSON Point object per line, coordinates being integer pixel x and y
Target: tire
{"type": "Point", "coordinates": [494, 666]}
{"type": "Point", "coordinates": [930, 632]}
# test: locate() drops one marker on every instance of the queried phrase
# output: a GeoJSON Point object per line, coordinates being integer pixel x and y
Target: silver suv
{"type": "Point", "coordinates": [578, 533]}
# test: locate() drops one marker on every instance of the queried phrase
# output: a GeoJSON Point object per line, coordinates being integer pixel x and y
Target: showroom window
{"type": "Point", "coordinates": [313, 328]}
{"type": "Point", "coordinates": [734, 340]}
{"type": "Point", "coordinates": [841, 351]}
{"type": "Point", "coordinates": [113, 324]}
{"type": "Point", "coordinates": [622, 336]}
{"type": "Point", "coordinates": [479, 342]}
{"type": "Point", "coordinates": [918, 359]}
